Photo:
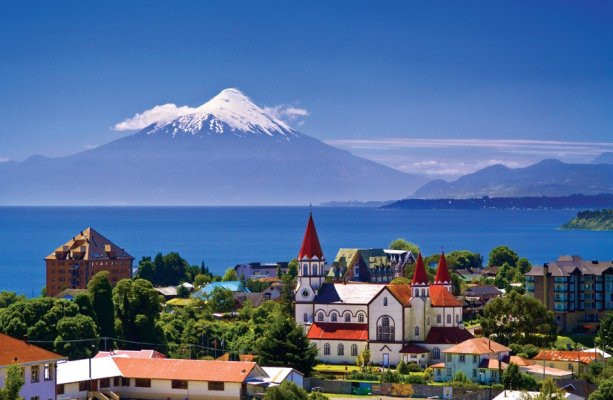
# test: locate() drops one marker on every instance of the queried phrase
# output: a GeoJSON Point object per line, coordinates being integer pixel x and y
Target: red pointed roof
{"type": "Point", "coordinates": [442, 273]}
{"type": "Point", "coordinates": [310, 244]}
{"type": "Point", "coordinates": [420, 277]}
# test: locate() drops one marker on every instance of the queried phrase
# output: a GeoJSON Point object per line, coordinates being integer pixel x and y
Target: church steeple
{"type": "Point", "coordinates": [443, 277]}
{"type": "Point", "coordinates": [311, 264]}
{"type": "Point", "coordinates": [419, 283]}
{"type": "Point", "coordinates": [310, 249]}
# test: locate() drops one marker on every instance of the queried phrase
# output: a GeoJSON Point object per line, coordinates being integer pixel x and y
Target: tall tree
{"type": "Point", "coordinates": [13, 383]}
{"type": "Point", "coordinates": [220, 300]}
{"type": "Point", "coordinates": [75, 328]}
{"type": "Point", "coordinates": [461, 259]}
{"type": "Point", "coordinates": [502, 254]}
{"type": "Point", "coordinates": [605, 332]}
{"type": "Point", "coordinates": [101, 292]}
{"type": "Point", "coordinates": [285, 344]}
{"type": "Point", "coordinates": [230, 275]}
{"type": "Point", "coordinates": [549, 391]}
{"type": "Point", "coordinates": [604, 391]}
{"type": "Point", "coordinates": [402, 244]}
{"type": "Point", "coordinates": [86, 306]}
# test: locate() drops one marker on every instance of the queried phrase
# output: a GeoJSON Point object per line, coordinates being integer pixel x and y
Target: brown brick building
{"type": "Point", "coordinates": [578, 291]}
{"type": "Point", "coordinates": [72, 265]}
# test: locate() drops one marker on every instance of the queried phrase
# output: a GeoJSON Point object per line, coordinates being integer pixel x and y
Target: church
{"type": "Point", "coordinates": [414, 323]}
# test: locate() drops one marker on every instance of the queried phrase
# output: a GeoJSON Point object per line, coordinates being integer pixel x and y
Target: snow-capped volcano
{"type": "Point", "coordinates": [228, 112]}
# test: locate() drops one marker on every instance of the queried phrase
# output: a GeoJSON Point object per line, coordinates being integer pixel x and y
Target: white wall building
{"type": "Point", "coordinates": [414, 323]}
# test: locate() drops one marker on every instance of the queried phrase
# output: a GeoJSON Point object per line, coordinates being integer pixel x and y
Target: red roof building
{"type": "Point", "coordinates": [310, 244]}
{"type": "Point", "coordinates": [420, 277]}
{"type": "Point", "coordinates": [338, 331]}
{"type": "Point", "coordinates": [443, 277]}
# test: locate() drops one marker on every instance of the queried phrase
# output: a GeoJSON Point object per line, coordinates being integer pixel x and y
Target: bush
{"type": "Point", "coordinates": [402, 368]}
{"type": "Point", "coordinates": [413, 367]}
{"type": "Point", "coordinates": [415, 379]}
{"type": "Point", "coordinates": [362, 376]}
{"type": "Point", "coordinates": [390, 377]}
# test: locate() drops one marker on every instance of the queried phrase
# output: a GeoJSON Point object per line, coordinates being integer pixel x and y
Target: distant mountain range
{"type": "Point", "coordinates": [228, 151]}
{"type": "Point", "coordinates": [604, 158]}
{"type": "Point", "coordinates": [546, 178]}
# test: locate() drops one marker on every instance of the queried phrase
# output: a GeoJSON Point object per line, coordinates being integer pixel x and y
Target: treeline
{"type": "Point", "coordinates": [595, 220]}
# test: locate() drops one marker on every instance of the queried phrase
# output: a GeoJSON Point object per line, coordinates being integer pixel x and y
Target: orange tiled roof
{"type": "Point", "coordinates": [478, 345]}
{"type": "Point", "coordinates": [94, 245]}
{"type": "Point", "coordinates": [519, 361]}
{"type": "Point", "coordinates": [441, 297]}
{"type": "Point", "coordinates": [338, 331]}
{"type": "Point", "coordinates": [11, 348]}
{"type": "Point", "coordinates": [491, 364]}
{"type": "Point", "coordinates": [439, 365]}
{"type": "Point", "coordinates": [562, 355]}
{"type": "Point", "coordinates": [189, 370]}
{"type": "Point", "coordinates": [402, 293]}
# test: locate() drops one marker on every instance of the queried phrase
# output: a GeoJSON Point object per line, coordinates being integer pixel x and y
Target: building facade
{"type": "Point", "coordinates": [256, 270]}
{"type": "Point", "coordinates": [39, 367]}
{"type": "Point", "coordinates": [369, 265]}
{"type": "Point", "coordinates": [72, 265]}
{"type": "Point", "coordinates": [578, 291]}
{"type": "Point", "coordinates": [414, 323]}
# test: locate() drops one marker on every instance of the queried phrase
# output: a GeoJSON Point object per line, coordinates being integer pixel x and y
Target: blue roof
{"type": "Point", "coordinates": [233, 286]}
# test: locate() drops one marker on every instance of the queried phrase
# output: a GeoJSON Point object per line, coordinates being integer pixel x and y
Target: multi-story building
{"type": "Point", "coordinates": [72, 265]}
{"type": "Point", "coordinates": [39, 367]}
{"type": "Point", "coordinates": [369, 265]}
{"type": "Point", "coordinates": [579, 292]}
{"type": "Point", "coordinates": [413, 323]}
{"type": "Point", "coordinates": [256, 270]}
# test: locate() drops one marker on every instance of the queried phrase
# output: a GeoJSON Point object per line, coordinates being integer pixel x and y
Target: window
{"type": "Point", "coordinates": [34, 373]}
{"type": "Point", "coordinates": [475, 359]}
{"type": "Point", "coordinates": [385, 301]}
{"type": "Point", "coordinates": [494, 375]}
{"type": "Point", "coordinates": [347, 317]}
{"type": "Point", "coordinates": [142, 382]}
{"type": "Point", "coordinates": [474, 373]}
{"type": "Point", "coordinates": [448, 371]}
{"type": "Point", "coordinates": [305, 293]}
{"type": "Point", "coordinates": [116, 381]}
{"type": "Point", "coordinates": [125, 381]}
{"type": "Point", "coordinates": [356, 271]}
{"type": "Point", "coordinates": [448, 319]}
{"type": "Point", "coordinates": [360, 317]}
{"type": "Point", "coordinates": [48, 372]}
{"type": "Point", "coordinates": [423, 293]}
{"type": "Point", "coordinates": [428, 320]}
{"type": "Point", "coordinates": [340, 350]}
{"type": "Point", "coordinates": [320, 316]}
{"type": "Point", "coordinates": [385, 329]}
{"type": "Point", "coordinates": [35, 398]}
{"type": "Point", "coordinates": [327, 349]}
{"type": "Point", "coordinates": [179, 384]}
{"type": "Point", "coordinates": [417, 331]}
{"type": "Point", "coordinates": [354, 350]}
{"type": "Point", "coordinates": [83, 386]}
{"type": "Point", "coordinates": [333, 317]}
{"type": "Point", "coordinates": [105, 382]}
{"type": "Point", "coordinates": [448, 357]}
{"type": "Point", "coordinates": [438, 319]}
{"type": "Point", "coordinates": [305, 270]}
{"type": "Point", "coordinates": [216, 386]}
{"type": "Point", "coordinates": [305, 317]}
{"type": "Point", "coordinates": [462, 358]}
{"type": "Point", "coordinates": [457, 318]}
{"type": "Point", "coordinates": [436, 353]}
{"type": "Point", "coordinates": [59, 389]}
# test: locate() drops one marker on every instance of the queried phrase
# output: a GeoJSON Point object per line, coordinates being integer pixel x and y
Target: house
{"type": "Point", "coordinates": [233, 286]}
{"type": "Point", "coordinates": [279, 375]}
{"type": "Point", "coordinates": [256, 299]}
{"type": "Point", "coordinates": [156, 378]}
{"type": "Point", "coordinates": [72, 265]}
{"type": "Point", "coordinates": [130, 354]}
{"type": "Point", "coordinates": [69, 294]}
{"type": "Point", "coordinates": [256, 270]}
{"type": "Point", "coordinates": [482, 292]}
{"type": "Point", "coordinates": [342, 319]}
{"type": "Point", "coordinates": [574, 361]}
{"type": "Point", "coordinates": [578, 291]}
{"type": "Point", "coordinates": [369, 265]}
{"type": "Point", "coordinates": [38, 364]}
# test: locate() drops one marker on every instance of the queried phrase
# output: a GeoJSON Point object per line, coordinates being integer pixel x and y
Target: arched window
{"type": "Point", "coordinates": [360, 317]}
{"type": "Point", "coordinates": [305, 317]}
{"type": "Point", "coordinates": [340, 350]}
{"type": "Point", "coordinates": [438, 319]}
{"type": "Point", "coordinates": [457, 318]}
{"type": "Point", "coordinates": [416, 292]}
{"type": "Point", "coordinates": [448, 318]}
{"type": "Point", "coordinates": [436, 353]}
{"type": "Point", "coordinates": [385, 329]}
{"type": "Point", "coordinates": [333, 317]}
{"type": "Point", "coordinates": [417, 331]}
{"type": "Point", "coordinates": [354, 350]}
{"type": "Point", "coordinates": [347, 317]}
{"type": "Point", "coordinates": [305, 270]}
{"type": "Point", "coordinates": [327, 349]}
{"type": "Point", "coordinates": [385, 301]}
{"type": "Point", "coordinates": [320, 316]}
{"type": "Point", "coordinates": [423, 293]}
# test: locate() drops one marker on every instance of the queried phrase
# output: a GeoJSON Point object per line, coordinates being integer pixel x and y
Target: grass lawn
{"type": "Point", "coordinates": [574, 340]}
{"type": "Point", "coordinates": [336, 368]}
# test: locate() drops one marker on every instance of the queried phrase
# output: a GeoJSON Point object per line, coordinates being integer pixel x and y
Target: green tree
{"type": "Point", "coordinates": [101, 292]}
{"type": "Point", "coordinates": [511, 378]}
{"type": "Point", "coordinates": [230, 275]}
{"type": "Point", "coordinates": [202, 280]}
{"type": "Point", "coordinates": [549, 391]}
{"type": "Point", "coordinates": [182, 292]}
{"type": "Point", "coordinates": [75, 328]}
{"type": "Point", "coordinates": [166, 270]}
{"type": "Point", "coordinates": [524, 265]}
{"type": "Point", "coordinates": [502, 254]}
{"type": "Point", "coordinates": [8, 298]}
{"type": "Point", "coordinates": [292, 268]}
{"type": "Point", "coordinates": [285, 344]}
{"type": "Point", "coordinates": [13, 383]}
{"type": "Point", "coordinates": [220, 300]}
{"type": "Point", "coordinates": [604, 391]}
{"type": "Point", "coordinates": [137, 309]}
{"type": "Point", "coordinates": [605, 332]}
{"type": "Point", "coordinates": [402, 244]}
{"type": "Point", "coordinates": [520, 319]}
{"type": "Point", "coordinates": [461, 259]}
{"type": "Point", "coordinates": [86, 307]}
{"type": "Point", "coordinates": [286, 391]}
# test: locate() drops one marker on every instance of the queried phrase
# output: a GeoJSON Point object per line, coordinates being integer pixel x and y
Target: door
{"type": "Point", "coordinates": [386, 360]}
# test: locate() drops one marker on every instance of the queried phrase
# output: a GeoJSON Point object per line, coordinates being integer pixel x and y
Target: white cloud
{"type": "Point", "coordinates": [4, 159]}
{"type": "Point", "coordinates": [287, 112]}
{"type": "Point", "coordinates": [165, 112]}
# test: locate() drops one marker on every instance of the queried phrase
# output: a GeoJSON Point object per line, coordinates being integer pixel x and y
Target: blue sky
{"type": "Point", "coordinates": [389, 80]}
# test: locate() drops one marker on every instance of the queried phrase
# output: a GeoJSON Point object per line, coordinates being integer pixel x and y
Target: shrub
{"type": "Point", "coordinates": [415, 379]}
{"type": "Point", "coordinates": [390, 377]}
{"type": "Point", "coordinates": [413, 367]}
{"type": "Point", "coordinates": [402, 368]}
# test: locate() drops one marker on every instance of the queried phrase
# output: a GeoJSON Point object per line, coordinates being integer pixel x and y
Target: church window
{"type": "Point", "coordinates": [385, 329]}
{"type": "Point", "coordinates": [438, 319]}
{"type": "Point", "coordinates": [320, 316]}
{"type": "Point", "coordinates": [305, 293]}
{"type": "Point", "coordinates": [360, 317]}
{"type": "Point", "coordinates": [416, 292]}
{"type": "Point", "coordinates": [327, 349]}
{"type": "Point", "coordinates": [448, 318]}
{"type": "Point", "coordinates": [305, 317]}
{"type": "Point", "coordinates": [333, 317]}
{"type": "Point", "coordinates": [347, 317]}
{"type": "Point", "coordinates": [340, 350]}
{"type": "Point", "coordinates": [385, 301]}
{"type": "Point", "coordinates": [354, 350]}
{"type": "Point", "coordinates": [436, 353]}
{"type": "Point", "coordinates": [423, 293]}
{"type": "Point", "coordinates": [417, 331]}
{"type": "Point", "coordinates": [305, 269]}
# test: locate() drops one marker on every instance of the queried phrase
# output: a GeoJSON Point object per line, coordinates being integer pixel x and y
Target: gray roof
{"type": "Point", "coordinates": [482, 290]}
{"type": "Point", "coordinates": [565, 265]}
{"type": "Point", "coordinates": [350, 293]}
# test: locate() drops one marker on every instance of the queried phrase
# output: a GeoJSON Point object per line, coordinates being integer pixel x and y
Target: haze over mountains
{"type": "Point", "coordinates": [228, 151]}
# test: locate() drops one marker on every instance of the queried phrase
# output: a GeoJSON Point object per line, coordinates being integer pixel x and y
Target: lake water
{"type": "Point", "coordinates": [225, 236]}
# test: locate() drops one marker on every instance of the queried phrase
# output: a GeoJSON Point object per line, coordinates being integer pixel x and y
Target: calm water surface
{"type": "Point", "coordinates": [225, 236]}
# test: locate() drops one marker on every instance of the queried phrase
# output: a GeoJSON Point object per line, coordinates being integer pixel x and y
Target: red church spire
{"type": "Point", "coordinates": [310, 244]}
{"type": "Point", "coordinates": [442, 273]}
{"type": "Point", "coordinates": [419, 276]}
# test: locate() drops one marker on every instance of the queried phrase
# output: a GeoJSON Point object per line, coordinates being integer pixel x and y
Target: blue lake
{"type": "Point", "coordinates": [225, 236]}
